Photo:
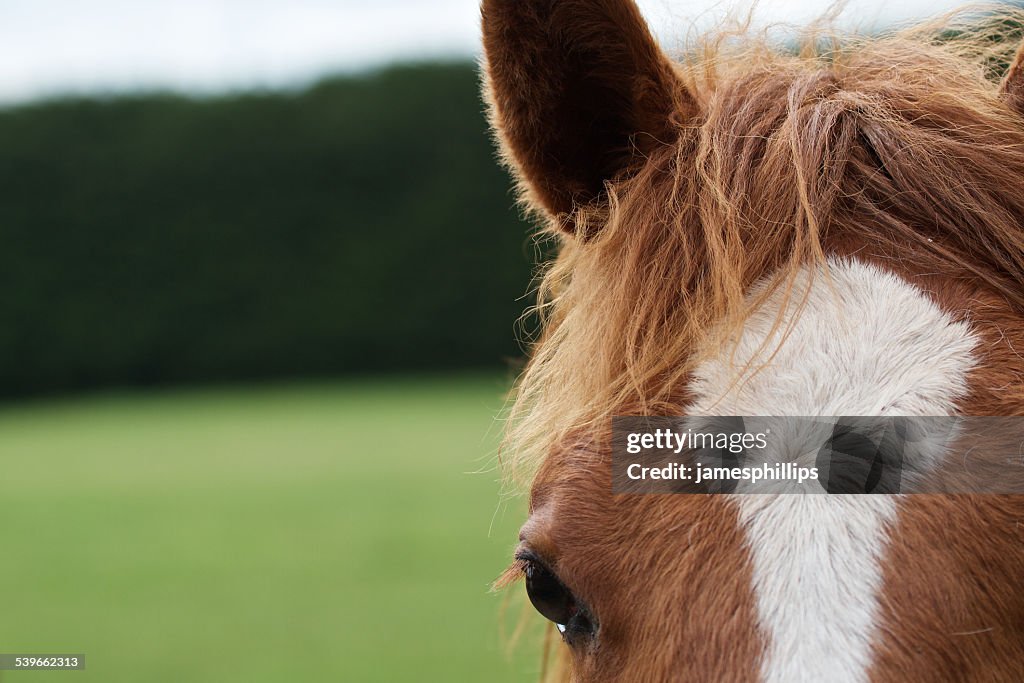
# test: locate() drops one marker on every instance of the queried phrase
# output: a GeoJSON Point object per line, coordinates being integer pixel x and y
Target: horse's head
{"type": "Point", "coordinates": [759, 233]}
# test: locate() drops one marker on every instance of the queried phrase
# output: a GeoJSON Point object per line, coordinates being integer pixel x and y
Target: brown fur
{"type": "Point", "coordinates": [578, 91]}
{"type": "Point", "coordinates": [952, 608]}
{"type": "Point", "coordinates": [1013, 83]}
{"type": "Point", "coordinates": [895, 149]}
{"type": "Point", "coordinates": [680, 602]}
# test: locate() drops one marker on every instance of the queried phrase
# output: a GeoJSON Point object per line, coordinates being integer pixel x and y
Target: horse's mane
{"type": "Point", "coordinates": [898, 143]}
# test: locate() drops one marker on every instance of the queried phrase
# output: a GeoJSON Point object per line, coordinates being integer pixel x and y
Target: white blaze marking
{"type": "Point", "coordinates": [869, 344]}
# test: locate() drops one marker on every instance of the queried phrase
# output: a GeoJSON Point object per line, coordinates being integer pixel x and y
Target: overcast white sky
{"type": "Point", "coordinates": [60, 46]}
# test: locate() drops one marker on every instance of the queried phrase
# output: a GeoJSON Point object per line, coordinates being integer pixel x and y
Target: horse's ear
{"type": "Point", "coordinates": [1013, 82]}
{"type": "Point", "coordinates": [579, 91]}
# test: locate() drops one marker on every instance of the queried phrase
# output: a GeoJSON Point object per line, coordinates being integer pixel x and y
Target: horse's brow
{"type": "Point", "coordinates": [535, 539]}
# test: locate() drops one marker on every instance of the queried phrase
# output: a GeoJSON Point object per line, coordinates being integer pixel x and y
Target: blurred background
{"type": "Point", "coordinates": [259, 282]}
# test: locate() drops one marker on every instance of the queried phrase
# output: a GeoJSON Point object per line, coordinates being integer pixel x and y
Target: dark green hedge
{"type": "Point", "coordinates": [359, 226]}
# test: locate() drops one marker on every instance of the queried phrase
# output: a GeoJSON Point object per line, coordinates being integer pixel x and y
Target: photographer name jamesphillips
{"type": "Point", "coordinates": [780, 471]}
{"type": "Point", "coordinates": [723, 443]}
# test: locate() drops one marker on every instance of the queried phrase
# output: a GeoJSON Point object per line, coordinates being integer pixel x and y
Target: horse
{"type": "Point", "coordinates": [756, 228]}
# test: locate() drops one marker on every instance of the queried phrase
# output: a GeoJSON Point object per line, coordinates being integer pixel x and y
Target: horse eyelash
{"type": "Point", "coordinates": [515, 572]}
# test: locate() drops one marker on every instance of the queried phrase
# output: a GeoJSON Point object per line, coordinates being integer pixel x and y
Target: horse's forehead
{"type": "Point", "coordinates": [865, 342]}
{"type": "Point", "coordinates": [849, 339]}
{"type": "Point", "coordinates": [860, 340]}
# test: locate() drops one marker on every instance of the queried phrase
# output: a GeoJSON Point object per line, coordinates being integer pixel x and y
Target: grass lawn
{"type": "Point", "coordinates": [323, 532]}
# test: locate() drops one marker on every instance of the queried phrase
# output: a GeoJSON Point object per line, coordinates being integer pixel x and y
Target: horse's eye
{"type": "Point", "coordinates": [556, 603]}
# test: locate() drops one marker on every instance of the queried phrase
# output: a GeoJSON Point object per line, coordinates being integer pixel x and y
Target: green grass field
{"type": "Point", "coordinates": [326, 532]}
